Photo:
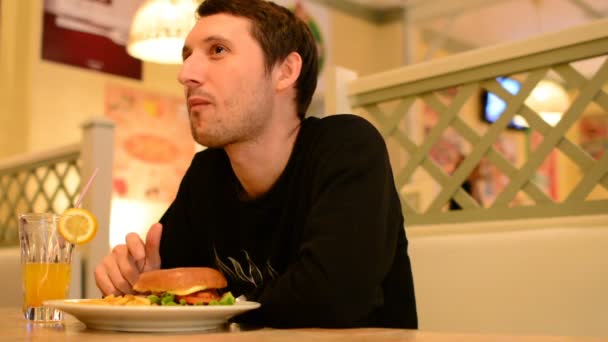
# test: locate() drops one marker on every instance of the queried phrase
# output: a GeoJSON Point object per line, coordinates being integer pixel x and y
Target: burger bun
{"type": "Point", "coordinates": [180, 281]}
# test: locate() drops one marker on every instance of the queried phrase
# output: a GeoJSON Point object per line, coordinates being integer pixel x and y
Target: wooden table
{"type": "Point", "coordinates": [13, 327]}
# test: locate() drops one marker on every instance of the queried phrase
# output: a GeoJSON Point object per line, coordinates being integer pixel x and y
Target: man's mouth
{"type": "Point", "coordinates": [194, 102]}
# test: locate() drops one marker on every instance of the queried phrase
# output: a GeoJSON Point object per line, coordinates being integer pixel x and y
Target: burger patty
{"type": "Point", "coordinates": [204, 296]}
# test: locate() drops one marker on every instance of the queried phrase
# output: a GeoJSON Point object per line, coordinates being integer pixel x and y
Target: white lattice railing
{"type": "Point", "coordinates": [37, 183]}
{"type": "Point", "coordinates": [49, 181]}
{"type": "Point", "coordinates": [429, 114]}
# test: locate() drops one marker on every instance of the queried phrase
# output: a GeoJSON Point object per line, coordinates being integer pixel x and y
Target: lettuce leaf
{"type": "Point", "coordinates": [227, 299]}
{"type": "Point", "coordinates": [154, 299]}
{"type": "Point", "coordinates": [168, 299]}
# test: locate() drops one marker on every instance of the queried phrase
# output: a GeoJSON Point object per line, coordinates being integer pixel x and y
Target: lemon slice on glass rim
{"type": "Point", "coordinates": [78, 226]}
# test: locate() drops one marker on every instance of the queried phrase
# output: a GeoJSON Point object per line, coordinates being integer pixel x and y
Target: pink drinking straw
{"type": "Point", "coordinates": [86, 188]}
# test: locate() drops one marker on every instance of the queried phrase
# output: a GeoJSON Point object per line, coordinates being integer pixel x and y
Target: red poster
{"type": "Point", "coordinates": [90, 34]}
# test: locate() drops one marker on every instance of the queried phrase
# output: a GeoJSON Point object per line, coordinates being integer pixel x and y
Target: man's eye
{"type": "Point", "coordinates": [217, 49]}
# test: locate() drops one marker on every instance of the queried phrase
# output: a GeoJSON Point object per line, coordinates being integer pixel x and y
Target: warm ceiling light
{"type": "Point", "coordinates": [549, 100]}
{"type": "Point", "coordinates": [548, 97]}
{"type": "Point", "coordinates": [159, 29]}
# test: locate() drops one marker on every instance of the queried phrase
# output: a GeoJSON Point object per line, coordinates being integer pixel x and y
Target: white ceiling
{"type": "Point", "coordinates": [485, 22]}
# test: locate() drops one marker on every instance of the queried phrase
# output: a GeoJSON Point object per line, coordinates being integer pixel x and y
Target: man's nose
{"type": "Point", "coordinates": [190, 73]}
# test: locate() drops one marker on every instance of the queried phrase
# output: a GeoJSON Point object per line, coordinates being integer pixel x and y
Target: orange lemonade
{"type": "Point", "coordinates": [43, 281]}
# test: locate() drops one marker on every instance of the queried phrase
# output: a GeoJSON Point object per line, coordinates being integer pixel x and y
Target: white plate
{"type": "Point", "coordinates": [151, 318]}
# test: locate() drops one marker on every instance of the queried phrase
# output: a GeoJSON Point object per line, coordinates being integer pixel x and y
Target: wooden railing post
{"type": "Point", "coordinates": [336, 100]}
{"type": "Point", "coordinates": [97, 152]}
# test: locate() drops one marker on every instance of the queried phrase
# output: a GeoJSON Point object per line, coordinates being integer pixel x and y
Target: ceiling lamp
{"type": "Point", "coordinates": [159, 29]}
{"type": "Point", "coordinates": [549, 100]}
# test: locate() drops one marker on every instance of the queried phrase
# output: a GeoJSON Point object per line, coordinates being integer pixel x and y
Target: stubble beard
{"type": "Point", "coordinates": [238, 122]}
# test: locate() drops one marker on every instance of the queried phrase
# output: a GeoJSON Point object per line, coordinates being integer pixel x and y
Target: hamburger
{"type": "Point", "coordinates": [184, 286]}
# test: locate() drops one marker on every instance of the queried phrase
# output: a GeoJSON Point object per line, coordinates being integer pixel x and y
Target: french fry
{"type": "Point", "coordinates": [126, 300]}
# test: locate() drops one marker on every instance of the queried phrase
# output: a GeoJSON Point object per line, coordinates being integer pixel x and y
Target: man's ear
{"type": "Point", "coordinates": [288, 71]}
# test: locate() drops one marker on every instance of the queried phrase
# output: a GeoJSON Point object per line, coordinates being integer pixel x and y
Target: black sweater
{"type": "Point", "coordinates": [325, 246]}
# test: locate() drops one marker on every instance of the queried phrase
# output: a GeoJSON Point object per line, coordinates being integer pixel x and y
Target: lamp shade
{"type": "Point", "coordinates": [159, 29]}
{"type": "Point", "coordinates": [549, 100]}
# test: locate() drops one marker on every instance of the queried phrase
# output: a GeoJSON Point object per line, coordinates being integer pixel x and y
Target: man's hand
{"type": "Point", "coordinates": [120, 269]}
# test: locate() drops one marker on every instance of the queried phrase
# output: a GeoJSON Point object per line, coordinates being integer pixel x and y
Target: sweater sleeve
{"type": "Point", "coordinates": [350, 236]}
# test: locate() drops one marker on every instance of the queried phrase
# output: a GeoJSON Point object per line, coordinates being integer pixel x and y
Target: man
{"type": "Point", "coordinates": [301, 215]}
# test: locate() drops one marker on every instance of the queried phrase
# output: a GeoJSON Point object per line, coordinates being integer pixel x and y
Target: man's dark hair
{"type": "Point", "coordinates": [279, 32]}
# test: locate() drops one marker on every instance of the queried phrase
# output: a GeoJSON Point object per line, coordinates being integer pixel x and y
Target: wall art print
{"type": "Point", "coordinates": [153, 145]}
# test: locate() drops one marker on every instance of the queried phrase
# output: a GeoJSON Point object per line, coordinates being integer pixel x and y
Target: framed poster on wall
{"type": "Point", "coordinates": [153, 147]}
{"type": "Point", "coordinates": [90, 34]}
{"type": "Point", "coordinates": [153, 143]}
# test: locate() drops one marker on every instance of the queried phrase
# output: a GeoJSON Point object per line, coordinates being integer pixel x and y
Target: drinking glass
{"type": "Point", "coordinates": [45, 265]}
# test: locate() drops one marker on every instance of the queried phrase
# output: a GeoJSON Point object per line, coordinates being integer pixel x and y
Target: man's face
{"type": "Point", "coordinates": [228, 92]}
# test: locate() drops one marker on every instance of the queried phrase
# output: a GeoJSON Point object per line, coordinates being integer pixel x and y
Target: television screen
{"type": "Point", "coordinates": [493, 106]}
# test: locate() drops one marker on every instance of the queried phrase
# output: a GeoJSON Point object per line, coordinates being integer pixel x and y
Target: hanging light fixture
{"type": "Point", "coordinates": [549, 100]}
{"type": "Point", "coordinates": [159, 29]}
